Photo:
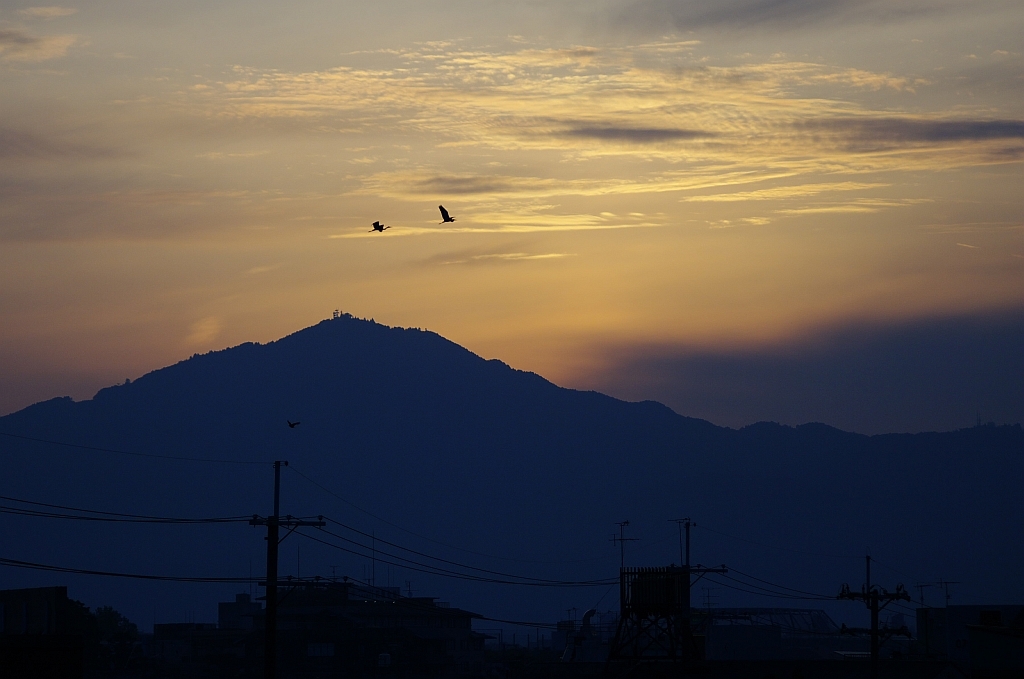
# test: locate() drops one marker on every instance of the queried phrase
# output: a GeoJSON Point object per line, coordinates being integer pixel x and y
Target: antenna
{"type": "Point", "coordinates": [920, 590]}
{"type": "Point", "coordinates": [689, 524]}
{"type": "Point", "coordinates": [944, 584]}
{"type": "Point", "coordinates": [710, 598]}
{"type": "Point", "coordinates": [622, 540]}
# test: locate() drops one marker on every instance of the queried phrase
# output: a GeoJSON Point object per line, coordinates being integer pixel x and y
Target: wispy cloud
{"type": "Point", "coordinates": [266, 268]}
{"type": "Point", "coordinates": [742, 221]}
{"type": "Point", "coordinates": [635, 135]}
{"type": "Point", "coordinates": [864, 205]}
{"type": "Point", "coordinates": [19, 45]}
{"type": "Point", "coordinates": [415, 185]}
{"type": "Point", "coordinates": [783, 192]}
{"type": "Point", "coordinates": [498, 130]}
{"type": "Point", "coordinates": [892, 131]}
{"type": "Point", "coordinates": [203, 331]}
{"type": "Point", "coordinates": [501, 257]}
{"type": "Point", "coordinates": [47, 12]}
{"type": "Point", "coordinates": [21, 144]}
{"type": "Point", "coordinates": [566, 224]}
{"type": "Point", "coordinates": [731, 116]}
{"type": "Point", "coordinates": [685, 15]}
{"type": "Point", "coordinates": [221, 155]}
{"type": "Point", "coordinates": [536, 220]}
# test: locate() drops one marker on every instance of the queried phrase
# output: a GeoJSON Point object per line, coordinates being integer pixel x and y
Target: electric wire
{"type": "Point", "coordinates": [20, 511]}
{"type": "Point", "coordinates": [784, 549]}
{"type": "Point", "coordinates": [773, 592]}
{"type": "Point", "coordinates": [105, 515]}
{"type": "Point", "coordinates": [433, 570]}
{"type": "Point", "coordinates": [436, 570]}
{"type": "Point", "coordinates": [428, 556]}
{"type": "Point", "coordinates": [338, 497]}
{"type": "Point", "coordinates": [894, 570]}
{"type": "Point", "coordinates": [512, 579]}
{"type": "Point", "coordinates": [776, 585]}
{"type": "Point", "coordinates": [489, 572]}
{"type": "Point", "coordinates": [765, 592]}
{"type": "Point", "coordinates": [16, 563]}
{"type": "Point", "coordinates": [99, 449]}
{"type": "Point", "coordinates": [428, 570]}
{"type": "Point", "coordinates": [523, 623]}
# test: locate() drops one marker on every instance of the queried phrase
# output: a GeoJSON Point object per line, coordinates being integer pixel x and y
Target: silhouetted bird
{"type": "Point", "coordinates": [292, 425]}
{"type": "Point", "coordinates": [377, 226]}
{"type": "Point", "coordinates": [445, 217]}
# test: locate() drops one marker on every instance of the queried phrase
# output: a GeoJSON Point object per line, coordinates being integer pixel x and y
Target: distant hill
{"type": "Point", "coordinates": [475, 460]}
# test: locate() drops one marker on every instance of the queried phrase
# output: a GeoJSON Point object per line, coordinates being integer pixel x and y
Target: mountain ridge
{"type": "Point", "coordinates": [197, 358]}
{"type": "Point", "coordinates": [409, 429]}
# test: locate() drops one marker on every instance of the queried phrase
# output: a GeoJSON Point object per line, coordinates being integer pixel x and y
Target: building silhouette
{"type": "Point", "coordinates": [42, 633]}
{"type": "Point", "coordinates": [327, 628]}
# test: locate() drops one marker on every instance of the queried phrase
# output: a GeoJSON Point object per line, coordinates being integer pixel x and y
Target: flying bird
{"type": "Point", "coordinates": [445, 217]}
{"type": "Point", "coordinates": [292, 425]}
{"type": "Point", "coordinates": [377, 226]}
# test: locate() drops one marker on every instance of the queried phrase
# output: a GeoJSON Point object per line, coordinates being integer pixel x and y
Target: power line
{"type": "Point", "coordinates": [767, 593]}
{"type": "Point", "coordinates": [428, 539]}
{"type": "Point", "coordinates": [15, 563]}
{"type": "Point", "coordinates": [442, 572]}
{"type": "Point", "coordinates": [523, 623]}
{"type": "Point", "coordinates": [179, 458]}
{"type": "Point", "coordinates": [783, 549]}
{"type": "Point", "coordinates": [894, 570]}
{"type": "Point", "coordinates": [428, 556]}
{"type": "Point", "coordinates": [516, 579]}
{"type": "Point", "coordinates": [425, 569]}
{"type": "Point", "coordinates": [104, 515]}
{"type": "Point", "coordinates": [18, 511]}
{"type": "Point", "coordinates": [779, 594]}
{"type": "Point", "coordinates": [778, 586]}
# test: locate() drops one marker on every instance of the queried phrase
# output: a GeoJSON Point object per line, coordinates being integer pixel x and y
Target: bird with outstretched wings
{"type": "Point", "coordinates": [445, 217]}
{"type": "Point", "coordinates": [292, 425]}
{"type": "Point", "coordinates": [377, 226]}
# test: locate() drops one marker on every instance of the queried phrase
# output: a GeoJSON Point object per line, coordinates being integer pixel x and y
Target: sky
{"type": "Point", "coordinates": [791, 210]}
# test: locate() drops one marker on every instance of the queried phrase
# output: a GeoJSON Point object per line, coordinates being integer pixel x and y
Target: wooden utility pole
{"type": "Point", "coordinates": [875, 598]}
{"type": "Point", "coordinates": [273, 524]}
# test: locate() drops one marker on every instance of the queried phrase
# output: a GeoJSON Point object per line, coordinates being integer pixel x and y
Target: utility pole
{"type": "Point", "coordinates": [701, 571]}
{"type": "Point", "coordinates": [687, 523]}
{"type": "Point", "coordinates": [622, 540]}
{"type": "Point", "coordinates": [875, 598]}
{"type": "Point", "coordinates": [273, 524]}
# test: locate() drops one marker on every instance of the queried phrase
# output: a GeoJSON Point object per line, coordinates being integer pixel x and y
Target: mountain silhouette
{"type": "Point", "coordinates": [424, 444]}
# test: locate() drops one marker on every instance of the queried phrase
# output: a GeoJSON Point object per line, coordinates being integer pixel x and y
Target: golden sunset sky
{"type": "Point", "coordinates": [628, 176]}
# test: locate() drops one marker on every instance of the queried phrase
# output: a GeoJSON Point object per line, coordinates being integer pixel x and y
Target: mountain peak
{"type": "Point", "coordinates": [416, 431]}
